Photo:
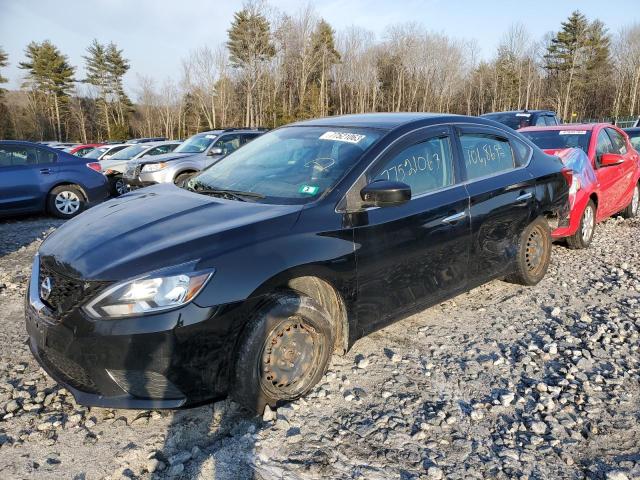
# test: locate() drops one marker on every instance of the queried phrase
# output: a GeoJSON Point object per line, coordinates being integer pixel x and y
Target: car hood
{"type": "Point", "coordinates": [165, 157]}
{"type": "Point", "coordinates": [159, 227]}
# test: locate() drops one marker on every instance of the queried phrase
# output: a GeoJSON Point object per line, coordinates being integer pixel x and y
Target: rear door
{"type": "Point", "coordinates": [414, 254]}
{"type": "Point", "coordinates": [25, 173]}
{"type": "Point", "coordinates": [501, 191]}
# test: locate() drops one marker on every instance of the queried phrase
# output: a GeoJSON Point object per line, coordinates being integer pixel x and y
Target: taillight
{"type": "Point", "coordinates": [567, 173]}
{"type": "Point", "coordinates": [95, 166]}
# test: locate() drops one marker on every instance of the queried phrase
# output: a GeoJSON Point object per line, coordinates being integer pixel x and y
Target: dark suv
{"type": "Point", "coordinates": [285, 251]}
{"type": "Point", "coordinates": [36, 178]}
{"type": "Point", "coordinates": [517, 119]}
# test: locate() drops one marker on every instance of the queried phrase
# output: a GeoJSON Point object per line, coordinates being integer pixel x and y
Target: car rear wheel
{"type": "Point", "coordinates": [285, 351]}
{"type": "Point", "coordinates": [584, 235]}
{"type": "Point", "coordinates": [65, 201]}
{"type": "Point", "coordinates": [534, 254]}
{"type": "Point", "coordinates": [634, 206]}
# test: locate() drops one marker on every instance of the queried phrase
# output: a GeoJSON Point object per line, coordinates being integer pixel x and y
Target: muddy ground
{"type": "Point", "coordinates": [501, 382]}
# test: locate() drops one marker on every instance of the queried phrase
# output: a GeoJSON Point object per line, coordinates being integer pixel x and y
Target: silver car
{"type": "Point", "coordinates": [194, 154]}
{"type": "Point", "coordinates": [115, 166]}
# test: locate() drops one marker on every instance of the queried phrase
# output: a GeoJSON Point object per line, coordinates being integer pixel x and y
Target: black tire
{"type": "Point", "coordinates": [633, 209]}
{"type": "Point", "coordinates": [271, 367]}
{"type": "Point", "coordinates": [118, 185]}
{"type": "Point", "coordinates": [584, 235]}
{"type": "Point", "coordinates": [183, 178]}
{"type": "Point", "coordinates": [534, 254]}
{"type": "Point", "coordinates": [66, 201]}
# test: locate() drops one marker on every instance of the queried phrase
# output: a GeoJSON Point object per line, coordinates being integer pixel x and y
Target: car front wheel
{"type": "Point", "coordinates": [634, 206]}
{"type": "Point", "coordinates": [284, 352]}
{"type": "Point", "coordinates": [583, 236]}
{"type": "Point", "coordinates": [534, 254]}
{"type": "Point", "coordinates": [65, 201]}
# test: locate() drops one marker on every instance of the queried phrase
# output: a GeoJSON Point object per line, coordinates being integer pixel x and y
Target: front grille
{"type": "Point", "coordinates": [67, 370]}
{"type": "Point", "coordinates": [66, 293]}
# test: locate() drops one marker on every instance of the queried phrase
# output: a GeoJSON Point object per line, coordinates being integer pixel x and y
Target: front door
{"type": "Point", "coordinates": [414, 254]}
{"type": "Point", "coordinates": [608, 177]}
{"type": "Point", "coordinates": [626, 169]}
{"type": "Point", "coordinates": [501, 192]}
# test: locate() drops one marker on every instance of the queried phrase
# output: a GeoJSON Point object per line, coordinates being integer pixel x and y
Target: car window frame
{"type": "Point", "coordinates": [486, 130]}
{"type": "Point", "coordinates": [613, 143]}
{"type": "Point", "coordinates": [597, 155]}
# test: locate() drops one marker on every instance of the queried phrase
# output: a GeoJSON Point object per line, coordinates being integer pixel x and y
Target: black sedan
{"type": "Point", "coordinates": [250, 277]}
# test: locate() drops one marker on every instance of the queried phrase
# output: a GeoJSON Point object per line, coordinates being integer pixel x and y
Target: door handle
{"type": "Point", "coordinates": [454, 218]}
{"type": "Point", "coordinates": [45, 171]}
{"type": "Point", "coordinates": [524, 196]}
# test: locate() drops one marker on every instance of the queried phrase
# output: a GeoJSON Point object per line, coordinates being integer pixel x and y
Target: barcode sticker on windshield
{"type": "Point", "coordinates": [573, 132]}
{"type": "Point", "coordinates": [523, 114]}
{"type": "Point", "coordinates": [210, 136]}
{"type": "Point", "coordinates": [342, 137]}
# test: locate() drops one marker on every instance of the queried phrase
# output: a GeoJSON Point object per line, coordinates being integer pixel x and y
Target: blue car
{"type": "Point", "coordinates": [37, 178]}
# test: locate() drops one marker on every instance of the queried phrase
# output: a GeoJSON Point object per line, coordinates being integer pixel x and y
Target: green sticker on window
{"type": "Point", "coordinates": [308, 189]}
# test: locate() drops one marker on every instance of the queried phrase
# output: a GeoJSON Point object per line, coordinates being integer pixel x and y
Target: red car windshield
{"type": "Point", "coordinates": [559, 139]}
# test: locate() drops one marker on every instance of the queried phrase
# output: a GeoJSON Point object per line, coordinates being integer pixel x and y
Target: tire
{"type": "Point", "coordinates": [584, 235]}
{"type": "Point", "coordinates": [183, 178]}
{"type": "Point", "coordinates": [65, 201]}
{"type": "Point", "coordinates": [633, 209]}
{"type": "Point", "coordinates": [534, 254]}
{"type": "Point", "coordinates": [271, 368]}
{"type": "Point", "coordinates": [118, 185]}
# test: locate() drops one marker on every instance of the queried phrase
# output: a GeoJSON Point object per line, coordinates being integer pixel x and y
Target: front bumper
{"type": "Point", "coordinates": [166, 360]}
{"type": "Point", "coordinates": [137, 178]}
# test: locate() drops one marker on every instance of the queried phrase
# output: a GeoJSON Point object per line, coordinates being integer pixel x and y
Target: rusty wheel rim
{"type": "Point", "coordinates": [290, 358]}
{"type": "Point", "coordinates": [535, 251]}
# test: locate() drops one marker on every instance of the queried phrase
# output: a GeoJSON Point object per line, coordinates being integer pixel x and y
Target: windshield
{"type": "Point", "coordinates": [291, 165]}
{"type": "Point", "coordinates": [96, 152]}
{"type": "Point", "coordinates": [196, 144]}
{"type": "Point", "coordinates": [513, 120]}
{"type": "Point", "coordinates": [129, 152]}
{"type": "Point", "coordinates": [558, 139]}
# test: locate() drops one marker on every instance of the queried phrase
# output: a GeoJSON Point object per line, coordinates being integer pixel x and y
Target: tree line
{"type": "Point", "coordinates": [275, 68]}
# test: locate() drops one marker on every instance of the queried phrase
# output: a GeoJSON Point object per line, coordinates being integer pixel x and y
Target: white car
{"type": "Point", "coordinates": [114, 166]}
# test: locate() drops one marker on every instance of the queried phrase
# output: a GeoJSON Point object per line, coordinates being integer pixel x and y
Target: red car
{"type": "Point", "coordinates": [606, 184]}
{"type": "Point", "coordinates": [82, 150]}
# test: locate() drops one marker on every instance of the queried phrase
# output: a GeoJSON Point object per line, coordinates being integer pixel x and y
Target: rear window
{"type": "Point", "coordinates": [559, 139]}
{"type": "Point", "coordinates": [514, 120]}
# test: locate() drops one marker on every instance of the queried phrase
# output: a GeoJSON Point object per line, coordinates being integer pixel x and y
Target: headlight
{"type": "Point", "coordinates": [154, 167]}
{"type": "Point", "coordinates": [151, 293]}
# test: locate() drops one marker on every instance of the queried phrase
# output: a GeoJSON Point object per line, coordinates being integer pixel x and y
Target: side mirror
{"type": "Point", "coordinates": [385, 193]}
{"type": "Point", "coordinates": [215, 151]}
{"type": "Point", "coordinates": [609, 159]}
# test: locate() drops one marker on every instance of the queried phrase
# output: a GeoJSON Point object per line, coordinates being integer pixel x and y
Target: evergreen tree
{"type": "Point", "coordinates": [4, 61]}
{"type": "Point", "coordinates": [578, 50]}
{"type": "Point", "coordinates": [324, 49]}
{"type": "Point", "coordinates": [250, 46]}
{"type": "Point", "coordinates": [106, 67]}
{"type": "Point", "coordinates": [50, 78]}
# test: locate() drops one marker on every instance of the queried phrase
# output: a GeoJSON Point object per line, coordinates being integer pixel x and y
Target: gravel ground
{"type": "Point", "coordinates": [501, 382]}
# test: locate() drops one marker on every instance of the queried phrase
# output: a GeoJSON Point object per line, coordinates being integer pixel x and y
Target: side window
{"type": "Point", "coordinates": [618, 141]}
{"type": "Point", "coordinates": [550, 120]}
{"type": "Point", "coordinates": [635, 142]}
{"type": "Point", "coordinates": [45, 156]}
{"type": "Point", "coordinates": [603, 145]}
{"type": "Point", "coordinates": [424, 166]}
{"type": "Point", "coordinates": [228, 143]}
{"type": "Point", "coordinates": [541, 121]}
{"type": "Point", "coordinates": [19, 155]}
{"type": "Point", "coordinates": [247, 137]}
{"type": "Point", "coordinates": [486, 154]}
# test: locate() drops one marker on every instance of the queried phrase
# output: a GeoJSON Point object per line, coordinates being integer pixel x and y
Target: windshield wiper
{"type": "Point", "coordinates": [236, 194]}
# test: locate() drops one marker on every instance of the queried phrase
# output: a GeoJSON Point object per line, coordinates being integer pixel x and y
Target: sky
{"type": "Point", "coordinates": [157, 34]}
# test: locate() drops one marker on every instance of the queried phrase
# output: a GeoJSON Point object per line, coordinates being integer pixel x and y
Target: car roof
{"type": "Point", "coordinates": [572, 126]}
{"type": "Point", "coordinates": [518, 111]}
{"type": "Point", "coordinates": [383, 121]}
